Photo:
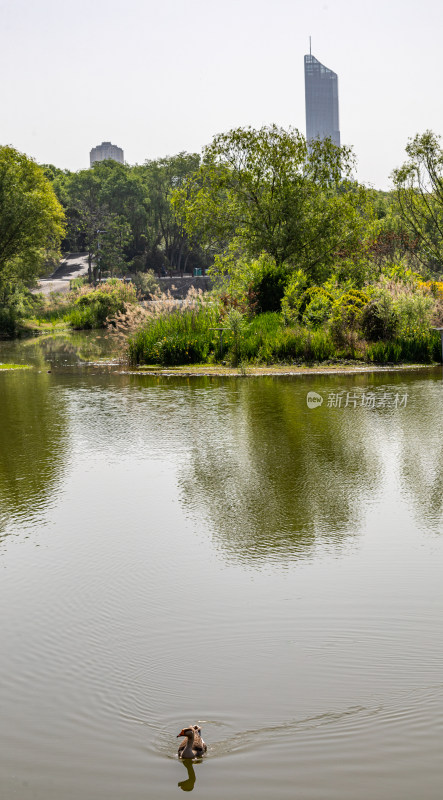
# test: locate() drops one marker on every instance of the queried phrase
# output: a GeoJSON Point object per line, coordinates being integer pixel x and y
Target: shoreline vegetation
{"type": "Point", "coordinates": [309, 268]}
{"type": "Point", "coordinates": [388, 322]}
{"type": "Point", "coordinates": [121, 366]}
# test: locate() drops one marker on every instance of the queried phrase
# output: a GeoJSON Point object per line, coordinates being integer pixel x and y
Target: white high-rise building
{"type": "Point", "coordinates": [106, 150]}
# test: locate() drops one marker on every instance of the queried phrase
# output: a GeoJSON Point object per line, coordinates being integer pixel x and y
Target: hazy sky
{"type": "Point", "coordinates": [159, 77]}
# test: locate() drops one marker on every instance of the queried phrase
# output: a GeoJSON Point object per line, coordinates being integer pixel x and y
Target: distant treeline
{"type": "Point", "coordinates": [122, 215]}
{"type": "Point", "coordinates": [252, 192]}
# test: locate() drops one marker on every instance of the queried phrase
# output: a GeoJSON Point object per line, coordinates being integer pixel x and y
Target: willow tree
{"type": "Point", "coordinates": [419, 196]}
{"type": "Point", "coordinates": [169, 243]}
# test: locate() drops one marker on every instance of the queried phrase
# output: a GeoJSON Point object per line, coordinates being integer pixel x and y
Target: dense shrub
{"type": "Point", "coordinates": [9, 319]}
{"type": "Point", "coordinates": [346, 317]}
{"type": "Point", "coordinates": [254, 285]}
{"type": "Point", "coordinates": [294, 291]}
{"type": "Point", "coordinates": [399, 309]}
{"type": "Point", "coordinates": [414, 311]}
{"type": "Point", "coordinates": [356, 268]}
{"type": "Point", "coordinates": [379, 319]}
{"type": "Point", "coordinates": [16, 304]}
{"type": "Point", "coordinates": [93, 306]}
{"type": "Point", "coordinates": [315, 306]}
{"type": "Point", "coordinates": [146, 283]}
{"type": "Point", "coordinates": [355, 297]}
{"type": "Point", "coordinates": [268, 286]}
{"type": "Point", "coordinates": [309, 295]}
{"type": "Point", "coordinates": [85, 318]}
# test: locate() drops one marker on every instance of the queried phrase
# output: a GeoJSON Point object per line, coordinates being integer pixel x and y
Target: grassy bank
{"type": "Point", "coordinates": [192, 337]}
{"type": "Point", "coordinates": [84, 308]}
{"type": "Point", "coordinates": [388, 322]}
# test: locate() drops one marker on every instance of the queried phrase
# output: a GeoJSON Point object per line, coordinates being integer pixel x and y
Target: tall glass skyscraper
{"type": "Point", "coordinates": [321, 96]}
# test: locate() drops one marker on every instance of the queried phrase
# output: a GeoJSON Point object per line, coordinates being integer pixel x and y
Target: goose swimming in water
{"type": "Point", "coordinates": [193, 746]}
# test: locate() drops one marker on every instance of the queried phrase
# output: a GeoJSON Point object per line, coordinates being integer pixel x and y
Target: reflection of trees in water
{"type": "Point", "coordinates": [71, 347]}
{"type": "Point", "coordinates": [272, 476]}
{"type": "Point", "coordinates": [420, 432]}
{"type": "Point", "coordinates": [33, 435]}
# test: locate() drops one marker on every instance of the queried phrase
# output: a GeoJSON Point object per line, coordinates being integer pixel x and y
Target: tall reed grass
{"type": "Point", "coordinates": [267, 340]}
{"type": "Point", "coordinates": [180, 337]}
{"type": "Point", "coordinates": [423, 347]}
{"type": "Point", "coordinates": [186, 337]}
{"type": "Point", "coordinates": [191, 336]}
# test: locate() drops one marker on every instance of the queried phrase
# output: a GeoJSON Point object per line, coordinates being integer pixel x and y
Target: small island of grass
{"type": "Point", "coordinates": [14, 366]}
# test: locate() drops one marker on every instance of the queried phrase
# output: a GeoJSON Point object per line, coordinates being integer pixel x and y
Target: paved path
{"type": "Point", "coordinates": [73, 266]}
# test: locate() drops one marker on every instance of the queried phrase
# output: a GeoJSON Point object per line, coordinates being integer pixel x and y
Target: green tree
{"type": "Point", "coordinates": [124, 195]}
{"type": "Point", "coordinates": [269, 191]}
{"type": "Point", "coordinates": [111, 197]}
{"type": "Point", "coordinates": [31, 221]}
{"type": "Point", "coordinates": [170, 243]}
{"type": "Point", "coordinates": [108, 193]}
{"type": "Point", "coordinates": [419, 195]}
{"type": "Point", "coordinates": [110, 244]}
{"type": "Point", "coordinates": [86, 214]}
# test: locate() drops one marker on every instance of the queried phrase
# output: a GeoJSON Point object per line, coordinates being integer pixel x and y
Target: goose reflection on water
{"type": "Point", "coordinates": [188, 784]}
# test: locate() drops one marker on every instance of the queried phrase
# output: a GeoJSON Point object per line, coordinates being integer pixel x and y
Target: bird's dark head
{"type": "Point", "coordinates": [188, 732]}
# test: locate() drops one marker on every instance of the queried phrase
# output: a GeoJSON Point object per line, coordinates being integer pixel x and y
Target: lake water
{"type": "Point", "coordinates": [214, 550]}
